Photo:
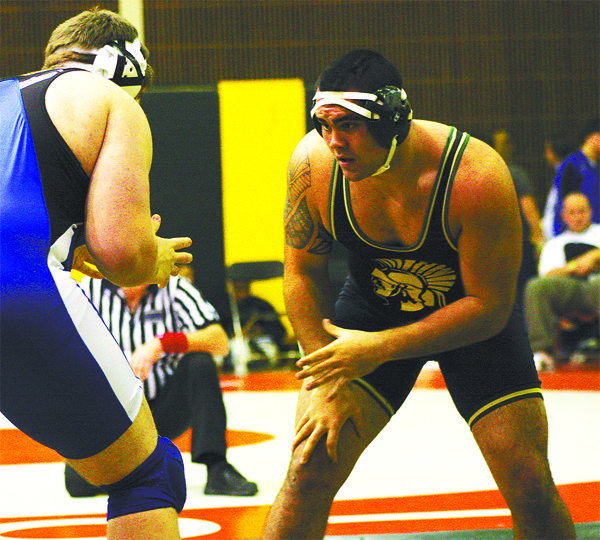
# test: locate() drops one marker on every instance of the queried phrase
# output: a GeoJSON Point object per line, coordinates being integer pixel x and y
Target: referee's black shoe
{"type": "Point", "coordinates": [224, 479]}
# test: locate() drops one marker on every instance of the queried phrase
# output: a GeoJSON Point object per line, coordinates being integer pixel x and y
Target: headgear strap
{"type": "Point", "coordinates": [342, 99]}
{"type": "Point", "coordinates": [118, 61]}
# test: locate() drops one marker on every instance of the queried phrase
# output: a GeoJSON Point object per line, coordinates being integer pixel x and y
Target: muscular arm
{"type": "Point", "coordinates": [532, 215]}
{"type": "Point", "coordinates": [109, 134]}
{"type": "Point", "coordinates": [307, 290]}
{"type": "Point", "coordinates": [308, 293]}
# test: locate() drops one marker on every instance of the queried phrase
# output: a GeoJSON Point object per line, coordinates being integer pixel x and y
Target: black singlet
{"type": "Point", "coordinates": [64, 181]}
{"type": "Point", "coordinates": [392, 286]}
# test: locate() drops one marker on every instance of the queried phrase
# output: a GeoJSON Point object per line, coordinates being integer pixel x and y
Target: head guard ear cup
{"type": "Point", "coordinates": [394, 115]}
{"type": "Point", "coordinates": [122, 63]}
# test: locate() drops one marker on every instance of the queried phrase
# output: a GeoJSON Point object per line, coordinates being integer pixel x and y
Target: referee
{"type": "Point", "coordinates": [170, 336]}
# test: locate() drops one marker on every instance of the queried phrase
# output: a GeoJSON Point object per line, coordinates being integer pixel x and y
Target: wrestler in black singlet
{"type": "Point", "coordinates": [395, 285]}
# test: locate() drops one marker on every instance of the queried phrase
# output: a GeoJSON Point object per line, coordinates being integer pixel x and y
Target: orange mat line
{"type": "Point", "coordinates": [246, 522]}
{"type": "Point", "coordinates": [565, 378]}
{"type": "Point", "coordinates": [16, 448]}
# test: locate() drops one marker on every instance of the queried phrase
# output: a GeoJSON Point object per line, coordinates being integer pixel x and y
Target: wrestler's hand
{"type": "Point", "coordinates": [145, 357]}
{"type": "Point", "coordinates": [325, 416]}
{"type": "Point", "coordinates": [353, 354]}
{"type": "Point", "coordinates": [83, 262]}
{"type": "Point", "coordinates": [168, 257]}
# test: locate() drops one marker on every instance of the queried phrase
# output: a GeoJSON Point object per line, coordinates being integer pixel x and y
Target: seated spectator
{"type": "Point", "coordinates": [260, 322]}
{"type": "Point", "coordinates": [579, 173]}
{"type": "Point", "coordinates": [568, 278]}
{"type": "Point", "coordinates": [556, 149]}
{"type": "Point", "coordinates": [170, 336]}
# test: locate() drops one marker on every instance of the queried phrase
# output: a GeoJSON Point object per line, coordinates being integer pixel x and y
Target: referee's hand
{"type": "Point", "coordinates": [145, 357]}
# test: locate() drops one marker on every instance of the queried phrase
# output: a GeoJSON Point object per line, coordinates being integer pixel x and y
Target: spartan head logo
{"type": "Point", "coordinates": [418, 284]}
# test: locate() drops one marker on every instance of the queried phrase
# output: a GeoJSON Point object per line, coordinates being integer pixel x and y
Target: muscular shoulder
{"type": "Point", "coordinates": [483, 193]}
{"type": "Point", "coordinates": [80, 103]}
{"type": "Point", "coordinates": [483, 173]}
{"type": "Point", "coordinates": [309, 171]}
{"type": "Point", "coordinates": [312, 157]}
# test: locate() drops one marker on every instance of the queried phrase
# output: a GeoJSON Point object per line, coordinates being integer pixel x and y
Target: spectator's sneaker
{"type": "Point", "coordinates": [224, 479]}
{"type": "Point", "coordinates": [543, 361]}
{"type": "Point", "coordinates": [586, 348]}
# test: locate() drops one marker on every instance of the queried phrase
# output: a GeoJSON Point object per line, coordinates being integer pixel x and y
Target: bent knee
{"type": "Point", "coordinates": [200, 363]}
{"type": "Point", "coordinates": [318, 475]}
{"type": "Point", "coordinates": [159, 482]}
{"type": "Point", "coordinates": [308, 485]}
{"type": "Point", "coordinates": [534, 496]}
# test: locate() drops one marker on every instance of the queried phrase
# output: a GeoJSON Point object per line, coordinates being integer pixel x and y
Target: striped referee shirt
{"type": "Point", "coordinates": [179, 307]}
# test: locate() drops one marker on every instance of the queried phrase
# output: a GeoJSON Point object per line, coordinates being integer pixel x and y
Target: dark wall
{"type": "Point", "coordinates": [185, 180]}
{"type": "Point", "coordinates": [531, 66]}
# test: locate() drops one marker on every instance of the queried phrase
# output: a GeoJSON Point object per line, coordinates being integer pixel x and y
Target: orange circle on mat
{"type": "Point", "coordinates": [60, 531]}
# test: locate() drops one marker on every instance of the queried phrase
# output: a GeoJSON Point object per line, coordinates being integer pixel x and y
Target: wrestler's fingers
{"type": "Point", "coordinates": [313, 358]}
{"type": "Point", "coordinates": [331, 328]}
{"type": "Point", "coordinates": [320, 377]}
{"type": "Point", "coordinates": [179, 260]}
{"type": "Point", "coordinates": [316, 364]}
{"type": "Point", "coordinates": [311, 443]}
{"type": "Point", "coordinates": [333, 436]}
{"type": "Point", "coordinates": [301, 434]}
{"type": "Point", "coordinates": [165, 281]}
{"type": "Point", "coordinates": [180, 242]}
{"type": "Point", "coordinates": [156, 220]}
{"type": "Point", "coordinates": [183, 257]}
{"type": "Point", "coordinates": [337, 387]}
{"type": "Point", "coordinates": [307, 371]}
{"type": "Point", "coordinates": [303, 421]}
{"type": "Point", "coordinates": [300, 425]}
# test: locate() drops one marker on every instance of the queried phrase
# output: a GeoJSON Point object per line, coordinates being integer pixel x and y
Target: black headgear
{"type": "Point", "coordinates": [387, 111]}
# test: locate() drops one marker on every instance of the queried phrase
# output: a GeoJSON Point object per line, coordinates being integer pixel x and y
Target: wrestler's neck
{"type": "Point", "coordinates": [412, 157]}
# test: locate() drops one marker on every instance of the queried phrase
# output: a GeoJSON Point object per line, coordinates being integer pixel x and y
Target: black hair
{"type": "Point", "coordinates": [562, 144]}
{"type": "Point", "coordinates": [361, 70]}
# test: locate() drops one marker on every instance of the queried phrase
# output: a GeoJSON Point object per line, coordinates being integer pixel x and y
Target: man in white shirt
{"type": "Point", "coordinates": [568, 279]}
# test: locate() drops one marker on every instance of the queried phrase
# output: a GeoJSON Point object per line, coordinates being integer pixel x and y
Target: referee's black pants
{"type": "Point", "coordinates": [192, 398]}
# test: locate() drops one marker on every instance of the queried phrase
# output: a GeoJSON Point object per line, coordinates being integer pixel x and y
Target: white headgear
{"type": "Point", "coordinates": [120, 62]}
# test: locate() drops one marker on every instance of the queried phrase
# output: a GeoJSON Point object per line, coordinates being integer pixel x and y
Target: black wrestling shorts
{"type": "Point", "coordinates": [480, 377]}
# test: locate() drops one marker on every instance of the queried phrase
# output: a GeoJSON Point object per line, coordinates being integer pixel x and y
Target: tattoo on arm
{"type": "Point", "coordinates": [299, 225]}
{"type": "Point", "coordinates": [323, 243]}
{"type": "Point", "coordinates": [299, 229]}
{"type": "Point", "coordinates": [298, 179]}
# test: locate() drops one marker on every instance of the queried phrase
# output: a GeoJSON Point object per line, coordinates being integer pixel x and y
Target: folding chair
{"type": "Point", "coordinates": [249, 272]}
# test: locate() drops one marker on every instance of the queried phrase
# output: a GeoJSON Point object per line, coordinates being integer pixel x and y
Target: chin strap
{"type": "Point", "coordinates": [390, 155]}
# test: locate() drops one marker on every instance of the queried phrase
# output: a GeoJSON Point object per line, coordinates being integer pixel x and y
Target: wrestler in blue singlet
{"type": "Point", "coordinates": [63, 379]}
{"type": "Point", "coordinates": [390, 286]}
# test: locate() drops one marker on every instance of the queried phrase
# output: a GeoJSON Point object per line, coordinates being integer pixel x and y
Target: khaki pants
{"type": "Point", "coordinates": [549, 298]}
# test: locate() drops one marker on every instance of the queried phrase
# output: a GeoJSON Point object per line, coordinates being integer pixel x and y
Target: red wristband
{"type": "Point", "coordinates": [174, 342]}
